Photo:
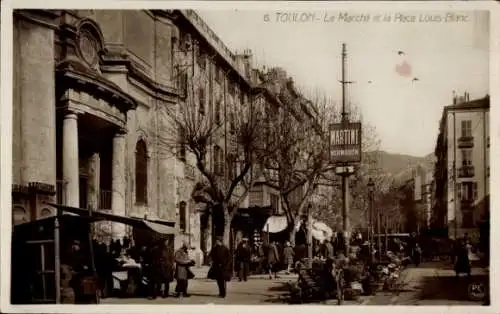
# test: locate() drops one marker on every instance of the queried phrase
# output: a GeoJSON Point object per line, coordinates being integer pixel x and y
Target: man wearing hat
{"type": "Point", "coordinates": [243, 255]}
{"type": "Point", "coordinates": [221, 269]}
{"type": "Point", "coordinates": [182, 271]}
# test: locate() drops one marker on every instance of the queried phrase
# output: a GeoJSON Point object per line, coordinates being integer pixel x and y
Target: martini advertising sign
{"type": "Point", "coordinates": [345, 142]}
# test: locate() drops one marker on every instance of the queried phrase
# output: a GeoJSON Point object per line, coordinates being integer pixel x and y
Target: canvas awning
{"type": "Point", "coordinates": [160, 226]}
{"type": "Point", "coordinates": [275, 224]}
{"type": "Point", "coordinates": [320, 230]}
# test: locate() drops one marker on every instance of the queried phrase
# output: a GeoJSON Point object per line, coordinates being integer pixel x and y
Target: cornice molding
{"type": "Point", "coordinates": [45, 18]}
{"type": "Point", "coordinates": [120, 61]}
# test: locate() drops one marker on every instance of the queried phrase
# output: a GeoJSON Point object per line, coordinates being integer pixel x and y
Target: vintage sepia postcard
{"type": "Point", "coordinates": [165, 156]}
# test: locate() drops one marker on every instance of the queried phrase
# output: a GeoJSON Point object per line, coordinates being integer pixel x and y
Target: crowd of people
{"type": "Point", "coordinates": [152, 269]}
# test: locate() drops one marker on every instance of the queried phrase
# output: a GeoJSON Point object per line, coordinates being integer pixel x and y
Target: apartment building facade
{"type": "Point", "coordinates": [462, 169]}
{"type": "Point", "coordinates": [95, 131]}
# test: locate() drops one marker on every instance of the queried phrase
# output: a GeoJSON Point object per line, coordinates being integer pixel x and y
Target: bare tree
{"type": "Point", "coordinates": [194, 129]}
{"type": "Point", "coordinates": [329, 202]}
{"type": "Point", "coordinates": [297, 153]}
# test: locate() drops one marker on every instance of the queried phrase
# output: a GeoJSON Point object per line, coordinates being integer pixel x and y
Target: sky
{"type": "Point", "coordinates": [445, 56]}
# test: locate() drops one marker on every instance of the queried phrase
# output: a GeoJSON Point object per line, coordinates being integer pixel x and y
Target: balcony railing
{"type": "Point", "coordinates": [466, 172]}
{"type": "Point", "coordinates": [105, 199]}
{"type": "Point", "coordinates": [466, 142]}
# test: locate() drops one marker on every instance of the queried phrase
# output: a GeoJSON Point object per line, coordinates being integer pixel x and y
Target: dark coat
{"type": "Point", "coordinates": [288, 255]}
{"type": "Point", "coordinates": [272, 255]}
{"type": "Point", "coordinates": [182, 264]}
{"type": "Point", "coordinates": [243, 253]}
{"type": "Point", "coordinates": [221, 263]}
{"type": "Point", "coordinates": [167, 268]}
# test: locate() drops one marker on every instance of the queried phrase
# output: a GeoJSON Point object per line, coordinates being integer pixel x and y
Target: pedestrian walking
{"type": "Point", "coordinates": [288, 255]}
{"type": "Point", "coordinates": [417, 255]}
{"type": "Point", "coordinates": [151, 270]}
{"type": "Point", "coordinates": [462, 262]}
{"type": "Point", "coordinates": [167, 261]}
{"type": "Point", "coordinates": [182, 271]}
{"type": "Point", "coordinates": [220, 269]}
{"type": "Point", "coordinates": [272, 260]}
{"type": "Point", "coordinates": [243, 255]}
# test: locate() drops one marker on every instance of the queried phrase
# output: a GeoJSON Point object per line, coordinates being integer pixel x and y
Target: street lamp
{"type": "Point", "coordinates": [371, 190]}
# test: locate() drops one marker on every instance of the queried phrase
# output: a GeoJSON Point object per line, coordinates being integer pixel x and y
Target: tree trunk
{"type": "Point", "coordinates": [227, 233]}
{"type": "Point", "coordinates": [227, 228]}
{"type": "Point", "coordinates": [293, 233]}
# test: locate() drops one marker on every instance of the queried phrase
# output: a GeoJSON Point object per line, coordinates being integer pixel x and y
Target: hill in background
{"type": "Point", "coordinates": [398, 165]}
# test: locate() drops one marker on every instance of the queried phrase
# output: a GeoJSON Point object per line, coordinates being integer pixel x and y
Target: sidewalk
{"type": "Point", "coordinates": [201, 273]}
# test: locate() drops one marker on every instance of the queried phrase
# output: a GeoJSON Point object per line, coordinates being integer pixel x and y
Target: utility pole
{"type": "Point", "coordinates": [379, 240]}
{"type": "Point", "coordinates": [455, 185]}
{"type": "Point", "coordinates": [345, 175]}
{"type": "Point", "coordinates": [309, 237]}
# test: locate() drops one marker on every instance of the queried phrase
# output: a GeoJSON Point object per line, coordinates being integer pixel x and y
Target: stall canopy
{"type": "Point", "coordinates": [320, 230]}
{"type": "Point", "coordinates": [275, 224]}
{"type": "Point", "coordinates": [160, 226]}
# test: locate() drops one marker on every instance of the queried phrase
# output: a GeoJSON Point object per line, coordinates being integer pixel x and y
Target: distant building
{"type": "Point", "coordinates": [422, 180]}
{"type": "Point", "coordinates": [462, 168]}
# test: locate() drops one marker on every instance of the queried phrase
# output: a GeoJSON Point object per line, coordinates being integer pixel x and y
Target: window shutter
{"type": "Point", "coordinates": [459, 191]}
{"type": "Point", "coordinates": [475, 190]}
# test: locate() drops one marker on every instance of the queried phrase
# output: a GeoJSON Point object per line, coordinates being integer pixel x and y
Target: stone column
{"type": "Point", "coordinates": [35, 98]}
{"type": "Point", "coordinates": [118, 183]}
{"type": "Point", "coordinates": [70, 161]}
{"type": "Point", "coordinates": [94, 181]}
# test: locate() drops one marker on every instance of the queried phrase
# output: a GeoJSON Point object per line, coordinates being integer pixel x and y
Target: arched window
{"type": "Point", "coordinates": [182, 216]}
{"type": "Point", "coordinates": [141, 173]}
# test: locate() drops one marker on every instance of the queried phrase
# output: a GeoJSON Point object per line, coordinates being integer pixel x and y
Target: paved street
{"type": "Point", "coordinates": [255, 291]}
{"type": "Point", "coordinates": [429, 284]}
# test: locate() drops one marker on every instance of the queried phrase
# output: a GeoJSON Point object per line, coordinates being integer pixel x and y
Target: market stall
{"type": "Point", "coordinates": [39, 249]}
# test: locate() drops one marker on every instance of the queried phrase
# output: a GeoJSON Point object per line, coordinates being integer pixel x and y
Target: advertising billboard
{"type": "Point", "coordinates": [345, 142]}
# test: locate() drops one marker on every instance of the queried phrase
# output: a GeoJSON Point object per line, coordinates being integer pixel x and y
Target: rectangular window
{"type": "Point", "coordinates": [232, 123]}
{"type": "Point", "coordinates": [183, 41]}
{"type": "Point", "coordinates": [467, 157]}
{"type": "Point", "coordinates": [243, 98]}
{"type": "Point", "coordinates": [468, 191]}
{"type": "Point", "coordinates": [217, 112]}
{"type": "Point", "coordinates": [467, 128]}
{"type": "Point", "coordinates": [182, 216]}
{"type": "Point", "coordinates": [275, 203]}
{"type": "Point", "coordinates": [218, 73]}
{"type": "Point", "coordinates": [201, 100]}
{"type": "Point", "coordinates": [182, 81]}
{"type": "Point", "coordinates": [232, 167]}
{"type": "Point", "coordinates": [201, 58]}
{"type": "Point", "coordinates": [218, 160]}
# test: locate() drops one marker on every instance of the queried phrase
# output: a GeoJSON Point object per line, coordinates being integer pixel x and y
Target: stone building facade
{"type": "Point", "coordinates": [462, 171]}
{"type": "Point", "coordinates": [89, 88]}
{"type": "Point", "coordinates": [92, 93]}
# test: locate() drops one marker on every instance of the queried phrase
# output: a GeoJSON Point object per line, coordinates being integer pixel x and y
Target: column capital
{"type": "Point", "coordinates": [71, 114]}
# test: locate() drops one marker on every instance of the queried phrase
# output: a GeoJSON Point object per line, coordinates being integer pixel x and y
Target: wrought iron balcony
{"type": "Point", "coordinates": [466, 142]}
{"type": "Point", "coordinates": [466, 172]}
